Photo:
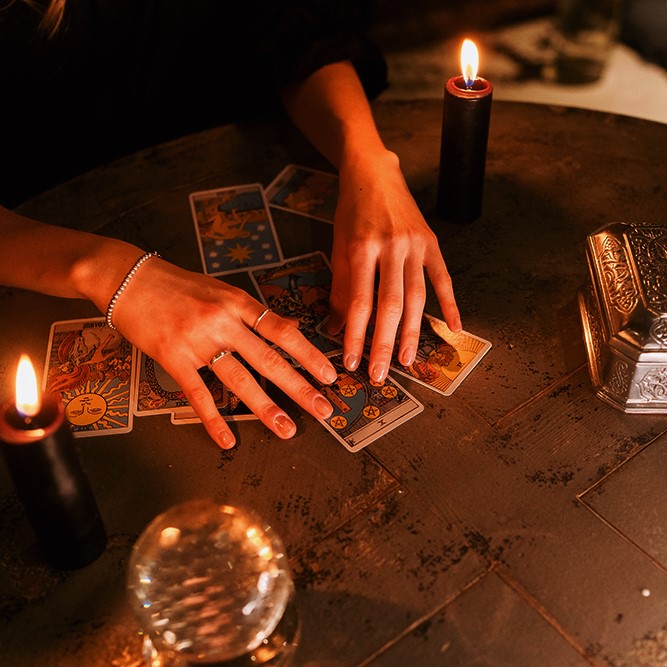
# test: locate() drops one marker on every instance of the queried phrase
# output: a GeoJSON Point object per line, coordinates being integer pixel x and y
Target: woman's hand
{"type": "Point", "coordinates": [183, 319]}
{"type": "Point", "coordinates": [378, 227]}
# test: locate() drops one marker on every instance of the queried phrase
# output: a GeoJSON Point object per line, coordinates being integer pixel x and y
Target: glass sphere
{"type": "Point", "coordinates": [208, 582]}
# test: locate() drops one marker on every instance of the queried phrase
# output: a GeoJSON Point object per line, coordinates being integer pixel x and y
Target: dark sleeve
{"type": "Point", "coordinates": [297, 37]}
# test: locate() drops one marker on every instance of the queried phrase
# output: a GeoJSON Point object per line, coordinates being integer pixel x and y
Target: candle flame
{"type": "Point", "coordinates": [469, 62]}
{"type": "Point", "coordinates": [28, 400]}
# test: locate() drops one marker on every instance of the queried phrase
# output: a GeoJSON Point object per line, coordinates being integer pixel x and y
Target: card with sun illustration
{"type": "Point", "coordinates": [444, 358]}
{"type": "Point", "coordinates": [91, 368]}
{"type": "Point", "coordinates": [235, 230]}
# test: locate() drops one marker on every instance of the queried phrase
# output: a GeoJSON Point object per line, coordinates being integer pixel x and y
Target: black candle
{"type": "Point", "coordinates": [465, 130]}
{"type": "Point", "coordinates": [38, 449]}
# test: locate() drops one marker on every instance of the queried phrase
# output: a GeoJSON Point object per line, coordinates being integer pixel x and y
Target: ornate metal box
{"type": "Point", "coordinates": [624, 313]}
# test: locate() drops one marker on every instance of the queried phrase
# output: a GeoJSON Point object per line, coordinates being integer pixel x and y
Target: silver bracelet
{"type": "Point", "coordinates": [123, 285]}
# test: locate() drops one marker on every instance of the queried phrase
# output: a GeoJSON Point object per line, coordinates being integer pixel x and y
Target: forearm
{"type": "Point", "coordinates": [61, 262]}
{"type": "Point", "coordinates": [331, 109]}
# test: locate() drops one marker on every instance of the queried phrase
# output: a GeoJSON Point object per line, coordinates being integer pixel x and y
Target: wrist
{"type": "Point", "coordinates": [98, 273]}
{"type": "Point", "coordinates": [374, 159]}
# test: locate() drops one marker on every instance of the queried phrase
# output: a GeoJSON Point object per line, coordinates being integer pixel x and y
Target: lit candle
{"type": "Point", "coordinates": [465, 130]}
{"type": "Point", "coordinates": [38, 448]}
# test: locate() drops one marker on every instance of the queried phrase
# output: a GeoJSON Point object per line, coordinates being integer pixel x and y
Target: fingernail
{"type": "Point", "coordinates": [329, 374]}
{"type": "Point", "coordinates": [334, 325]}
{"type": "Point", "coordinates": [285, 426]}
{"type": "Point", "coordinates": [323, 407]}
{"type": "Point", "coordinates": [351, 362]}
{"type": "Point", "coordinates": [225, 440]}
{"type": "Point", "coordinates": [408, 356]}
{"type": "Point", "coordinates": [457, 325]}
{"type": "Point", "coordinates": [378, 372]}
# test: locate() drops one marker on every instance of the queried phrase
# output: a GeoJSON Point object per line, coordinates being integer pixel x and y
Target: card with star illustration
{"type": "Point", "coordinates": [235, 230]}
{"type": "Point", "coordinates": [363, 410]}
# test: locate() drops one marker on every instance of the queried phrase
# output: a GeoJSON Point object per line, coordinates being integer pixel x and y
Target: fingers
{"type": "Point", "coordinates": [389, 312]}
{"type": "Point", "coordinates": [287, 336]}
{"type": "Point", "coordinates": [442, 284]}
{"type": "Point", "coordinates": [413, 309]}
{"type": "Point", "coordinates": [276, 369]}
{"type": "Point", "coordinates": [359, 306]}
{"type": "Point", "coordinates": [203, 404]}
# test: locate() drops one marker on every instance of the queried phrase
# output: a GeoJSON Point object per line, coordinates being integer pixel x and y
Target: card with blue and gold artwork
{"type": "Point", "coordinates": [91, 368]}
{"type": "Point", "coordinates": [364, 410]}
{"type": "Point", "coordinates": [299, 288]}
{"type": "Point", "coordinates": [305, 191]}
{"type": "Point", "coordinates": [235, 230]}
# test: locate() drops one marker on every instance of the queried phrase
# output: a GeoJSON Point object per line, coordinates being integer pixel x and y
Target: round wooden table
{"type": "Point", "coordinates": [516, 522]}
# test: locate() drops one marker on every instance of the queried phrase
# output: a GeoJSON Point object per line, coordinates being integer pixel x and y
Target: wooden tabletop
{"type": "Point", "coordinates": [520, 521]}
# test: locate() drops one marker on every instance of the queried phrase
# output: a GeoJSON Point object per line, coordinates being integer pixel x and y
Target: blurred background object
{"type": "Point", "coordinates": [421, 41]}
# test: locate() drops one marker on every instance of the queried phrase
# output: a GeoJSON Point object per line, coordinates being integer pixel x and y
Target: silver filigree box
{"type": "Point", "coordinates": [624, 313]}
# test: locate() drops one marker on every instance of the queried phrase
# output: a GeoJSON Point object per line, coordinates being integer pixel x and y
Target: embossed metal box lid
{"type": "Point", "coordinates": [624, 313]}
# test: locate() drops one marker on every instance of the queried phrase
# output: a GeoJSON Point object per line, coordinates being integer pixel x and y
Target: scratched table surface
{"type": "Point", "coordinates": [520, 521]}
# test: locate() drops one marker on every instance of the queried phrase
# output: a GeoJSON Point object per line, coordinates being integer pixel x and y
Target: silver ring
{"type": "Point", "coordinates": [217, 357]}
{"type": "Point", "coordinates": [259, 319]}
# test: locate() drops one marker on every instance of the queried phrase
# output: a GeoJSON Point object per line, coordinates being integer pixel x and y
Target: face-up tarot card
{"type": "Point", "coordinates": [90, 367]}
{"type": "Point", "coordinates": [299, 288]}
{"type": "Point", "coordinates": [234, 229]}
{"type": "Point", "coordinates": [444, 358]}
{"type": "Point", "coordinates": [156, 393]}
{"type": "Point", "coordinates": [305, 191]}
{"type": "Point", "coordinates": [364, 410]}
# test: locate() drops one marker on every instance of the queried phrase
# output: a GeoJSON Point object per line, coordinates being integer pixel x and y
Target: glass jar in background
{"type": "Point", "coordinates": [210, 585]}
{"type": "Point", "coordinates": [582, 40]}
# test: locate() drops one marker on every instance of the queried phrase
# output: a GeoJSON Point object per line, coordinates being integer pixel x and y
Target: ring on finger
{"type": "Point", "coordinates": [260, 318]}
{"type": "Point", "coordinates": [216, 357]}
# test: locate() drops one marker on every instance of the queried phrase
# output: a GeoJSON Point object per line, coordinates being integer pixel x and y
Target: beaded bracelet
{"type": "Point", "coordinates": [123, 285]}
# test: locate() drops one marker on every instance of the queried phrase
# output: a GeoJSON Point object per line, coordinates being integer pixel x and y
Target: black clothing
{"type": "Point", "coordinates": [124, 74]}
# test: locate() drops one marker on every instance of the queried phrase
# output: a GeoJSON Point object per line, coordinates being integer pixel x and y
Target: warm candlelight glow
{"type": "Point", "coordinates": [469, 62]}
{"type": "Point", "coordinates": [28, 400]}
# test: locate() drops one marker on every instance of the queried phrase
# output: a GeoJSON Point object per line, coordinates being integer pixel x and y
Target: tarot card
{"type": "Point", "coordinates": [300, 288]}
{"type": "Point", "coordinates": [305, 191]}
{"type": "Point", "coordinates": [90, 367]}
{"type": "Point", "coordinates": [235, 230]}
{"type": "Point", "coordinates": [156, 393]}
{"type": "Point", "coordinates": [364, 410]}
{"type": "Point", "coordinates": [444, 358]}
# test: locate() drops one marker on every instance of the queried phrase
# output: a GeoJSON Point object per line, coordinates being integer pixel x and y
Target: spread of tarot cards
{"type": "Point", "coordinates": [104, 382]}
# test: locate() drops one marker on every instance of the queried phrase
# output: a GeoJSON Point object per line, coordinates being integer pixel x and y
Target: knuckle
{"type": "Point", "coordinates": [383, 349]}
{"type": "Point", "coordinates": [271, 359]}
{"type": "Point", "coordinates": [361, 306]}
{"type": "Point", "coordinates": [392, 305]}
{"type": "Point", "coordinates": [283, 332]}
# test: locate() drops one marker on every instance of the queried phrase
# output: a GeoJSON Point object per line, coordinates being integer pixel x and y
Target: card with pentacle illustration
{"type": "Point", "coordinates": [364, 410]}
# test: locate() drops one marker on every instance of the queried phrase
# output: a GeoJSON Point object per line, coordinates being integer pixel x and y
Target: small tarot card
{"type": "Point", "coordinates": [305, 191]}
{"type": "Point", "coordinates": [300, 288]}
{"type": "Point", "coordinates": [444, 358]}
{"type": "Point", "coordinates": [235, 230]}
{"type": "Point", "coordinates": [364, 410]}
{"type": "Point", "coordinates": [156, 392]}
{"type": "Point", "coordinates": [91, 368]}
